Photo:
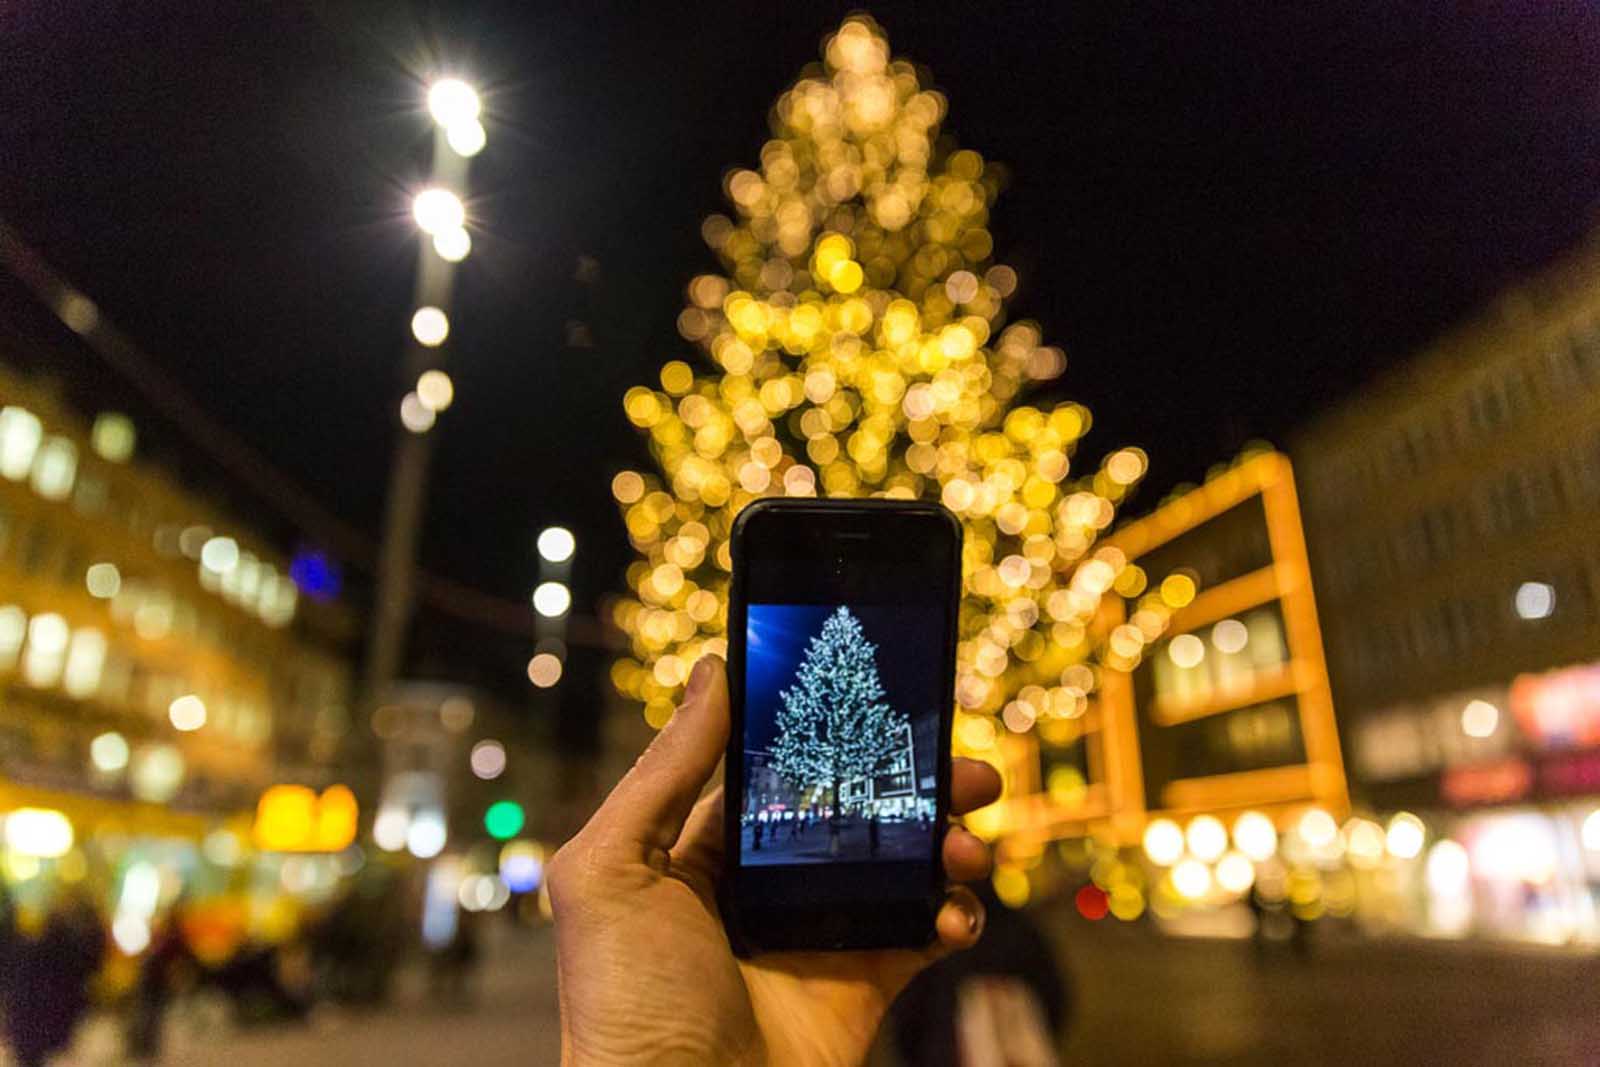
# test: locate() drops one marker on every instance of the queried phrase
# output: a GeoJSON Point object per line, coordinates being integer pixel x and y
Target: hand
{"type": "Point", "coordinates": [646, 973]}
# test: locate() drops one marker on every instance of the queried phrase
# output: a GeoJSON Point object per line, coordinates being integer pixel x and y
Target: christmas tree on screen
{"type": "Point", "coordinates": [833, 725]}
{"type": "Point", "coordinates": [855, 343]}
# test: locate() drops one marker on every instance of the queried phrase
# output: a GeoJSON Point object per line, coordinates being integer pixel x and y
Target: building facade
{"type": "Point", "coordinates": [159, 668]}
{"type": "Point", "coordinates": [1453, 514]}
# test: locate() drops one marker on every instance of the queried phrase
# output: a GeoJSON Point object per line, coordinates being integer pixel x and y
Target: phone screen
{"type": "Point", "coordinates": [843, 686]}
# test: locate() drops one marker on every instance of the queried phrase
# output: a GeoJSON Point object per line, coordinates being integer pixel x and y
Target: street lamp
{"type": "Point", "coordinates": [556, 544]}
{"type": "Point", "coordinates": [552, 599]}
{"type": "Point", "coordinates": [438, 211]}
{"type": "Point", "coordinates": [452, 101]}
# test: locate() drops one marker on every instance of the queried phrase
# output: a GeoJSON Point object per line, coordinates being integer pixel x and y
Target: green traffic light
{"type": "Point", "coordinates": [504, 819]}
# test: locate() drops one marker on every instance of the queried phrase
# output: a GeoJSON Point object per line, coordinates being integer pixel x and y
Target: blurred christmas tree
{"type": "Point", "coordinates": [833, 723]}
{"type": "Point", "coordinates": [855, 348]}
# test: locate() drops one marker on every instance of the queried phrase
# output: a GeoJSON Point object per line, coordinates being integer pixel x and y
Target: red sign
{"type": "Point", "coordinates": [1486, 783]}
{"type": "Point", "coordinates": [1559, 709]}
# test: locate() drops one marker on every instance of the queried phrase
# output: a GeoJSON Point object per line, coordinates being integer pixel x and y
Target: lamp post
{"type": "Point", "coordinates": [440, 215]}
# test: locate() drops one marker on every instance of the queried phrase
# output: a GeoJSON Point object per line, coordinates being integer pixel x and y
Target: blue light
{"type": "Point", "coordinates": [316, 575]}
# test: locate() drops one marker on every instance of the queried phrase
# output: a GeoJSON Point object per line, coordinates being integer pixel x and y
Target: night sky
{"type": "Point", "coordinates": [777, 638]}
{"type": "Point", "coordinates": [1228, 216]}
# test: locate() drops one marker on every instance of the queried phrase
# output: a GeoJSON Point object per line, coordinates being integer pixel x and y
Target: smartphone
{"type": "Point", "coordinates": [841, 674]}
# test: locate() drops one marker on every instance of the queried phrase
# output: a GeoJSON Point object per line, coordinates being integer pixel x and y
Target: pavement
{"type": "Point", "coordinates": [906, 840]}
{"type": "Point", "coordinates": [1138, 997]}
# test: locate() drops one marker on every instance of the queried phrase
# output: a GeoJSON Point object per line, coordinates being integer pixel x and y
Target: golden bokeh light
{"type": "Point", "coordinates": [856, 344]}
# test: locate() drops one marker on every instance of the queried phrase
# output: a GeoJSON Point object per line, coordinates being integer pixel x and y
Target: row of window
{"type": "Point", "coordinates": [1504, 506]}
{"type": "Point", "coordinates": [1448, 630]}
{"type": "Point", "coordinates": [1496, 401]}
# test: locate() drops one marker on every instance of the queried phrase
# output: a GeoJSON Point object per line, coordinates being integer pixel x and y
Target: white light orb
{"type": "Point", "coordinates": [219, 555]}
{"type": "Point", "coordinates": [104, 580]}
{"type": "Point", "coordinates": [488, 759]}
{"type": "Point", "coordinates": [187, 713]}
{"type": "Point", "coordinates": [452, 101]}
{"type": "Point", "coordinates": [1405, 836]}
{"type": "Point", "coordinates": [435, 389]}
{"type": "Point", "coordinates": [1235, 872]}
{"type": "Point", "coordinates": [1207, 838]}
{"type": "Point", "coordinates": [1163, 842]}
{"type": "Point", "coordinates": [1480, 719]}
{"type": "Point", "coordinates": [1255, 836]}
{"type": "Point", "coordinates": [466, 137]}
{"type": "Point", "coordinates": [427, 834]}
{"type": "Point", "coordinates": [437, 210]}
{"type": "Point", "coordinates": [109, 752]}
{"type": "Point", "coordinates": [556, 544]}
{"type": "Point", "coordinates": [430, 326]}
{"type": "Point", "coordinates": [1535, 600]}
{"type": "Point", "coordinates": [1230, 636]}
{"type": "Point", "coordinates": [1317, 829]}
{"type": "Point", "coordinates": [1192, 879]}
{"type": "Point", "coordinates": [452, 245]}
{"type": "Point", "coordinates": [552, 599]}
{"type": "Point", "coordinates": [415, 415]}
{"type": "Point", "coordinates": [1186, 650]}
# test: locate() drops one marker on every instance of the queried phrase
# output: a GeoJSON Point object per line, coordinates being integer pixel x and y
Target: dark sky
{"type": "Point", "coordinates": [1228, 215]}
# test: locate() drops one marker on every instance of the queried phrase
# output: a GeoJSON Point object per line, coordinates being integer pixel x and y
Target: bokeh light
{"type": "Point", "coordinates": [859, 345]}
{"type": "Point", "coordinates": [187, 713]}
{"type": "Point", "coordinates": [430, 326]}
{"type": "Point", "coordinates": [438, 211]}
{"type": "Point", "coordinates": [544, 670]}
{"type": "Point", "coordinates": [415, 415]}
{"type": "Point", "coordinates": [1163, 842]}
{"type": "Point", "coordinates": [552, 599]}
{"type": "Point", "coordinates": [556, 544]}
{"type": "Point", "coordinates": [452, 101]}
{"type": "Point", "coordinates": [435, 390]}
{"type": "Point", "coordinates": [453, 245]}
{"type": "Point", "coordinates": [488, 759]}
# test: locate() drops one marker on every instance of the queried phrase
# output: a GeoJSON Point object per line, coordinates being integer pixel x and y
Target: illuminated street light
{"type": "Point", "coordinates": [452, 101]}
{"type": "Point", "coordinates": [466, 137]}
{"type": "Point", "coordinates": [452, 245]}
{"type": "Point", "coordinates": [414, 414]}
{"type": "Point", "coordinates": [438, 210]}
{"type": "Point", "coordinates": [435, 390]}
{"type": "Point", "coordinates": [556, 544]}
{"type": "Point", "coordinates": [552, 599]}
{"type": "Point", "coordinates": [430, 326]}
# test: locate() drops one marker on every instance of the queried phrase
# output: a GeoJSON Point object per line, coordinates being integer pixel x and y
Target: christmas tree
{"type": "Point", "coordinates": [834, 726]}
{"type": "Point", "coordinates": [856, 345]}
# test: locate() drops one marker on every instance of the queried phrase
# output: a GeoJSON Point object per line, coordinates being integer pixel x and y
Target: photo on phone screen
{"type": "Point", "coordinates": [840, 733]}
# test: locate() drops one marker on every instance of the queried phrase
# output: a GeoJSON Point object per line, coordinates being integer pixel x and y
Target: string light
{"type": "Point", "coordinates": [861, 349]}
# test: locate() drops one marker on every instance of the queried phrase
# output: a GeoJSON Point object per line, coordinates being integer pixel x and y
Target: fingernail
{"type": "Point", "coordinates": [698, 678]}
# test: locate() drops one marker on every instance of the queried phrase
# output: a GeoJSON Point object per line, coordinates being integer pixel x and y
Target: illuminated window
{"type": "Point", "coordinates": [45, 654]}
{"type": "Point", "coordinates": [20, 434]}
{"type": "Point", "coordinates": [13, 628]}
{"type": "Point", "coordinates": [55, 466]}
{"type": "Point", "coordinates": [86, 660]}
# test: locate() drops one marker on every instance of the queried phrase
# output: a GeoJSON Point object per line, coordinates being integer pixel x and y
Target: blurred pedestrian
{"type": "Point", "coordinates": [1006, 1001]}
{"type": "Point", "coordinates": [47, 988]}
{"type": "Point", "coordinates": [167, 970]}
{"type": "Point", "coordinates": [872, 835]}
{"type": "Point", "coordinates": [757, 835]}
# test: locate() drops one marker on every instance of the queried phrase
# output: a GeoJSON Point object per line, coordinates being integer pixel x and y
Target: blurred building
{"type": "Point", "coordinates": [159, 667]}
{"type": "Point", "coordinates": [1220, 740]}
{"type": "Point", "coordinates": [1453, 513]}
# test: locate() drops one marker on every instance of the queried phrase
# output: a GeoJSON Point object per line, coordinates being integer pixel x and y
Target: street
{"type": "Point", "coordinates": [1138, 998]}
{"type": "Point", "coordinates": [900, 840]}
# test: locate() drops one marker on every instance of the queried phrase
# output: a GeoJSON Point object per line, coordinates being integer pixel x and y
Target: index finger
{"type": "Point", "coordinates": [973, 784]}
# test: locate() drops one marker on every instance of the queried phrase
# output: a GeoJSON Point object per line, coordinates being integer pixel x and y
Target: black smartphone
{"type": "Point", "coordinates": [841, 674]}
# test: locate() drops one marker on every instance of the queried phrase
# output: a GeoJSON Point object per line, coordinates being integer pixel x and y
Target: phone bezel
{"type": "Point", "coordinates": [787, 925]}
